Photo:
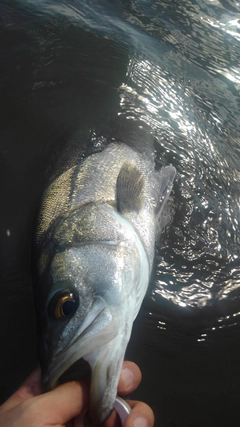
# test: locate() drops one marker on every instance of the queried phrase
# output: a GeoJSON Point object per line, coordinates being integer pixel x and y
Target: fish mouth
{"type": "Point", "coordinates": [97, 329]}
{"type": "Point", "coordinates": [79, 371]}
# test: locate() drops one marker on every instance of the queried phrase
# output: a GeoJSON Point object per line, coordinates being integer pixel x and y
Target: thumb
{"type": "Point", "coordinates": [31, 387]}
{"type": "Point", "coordinates": [64, 402]}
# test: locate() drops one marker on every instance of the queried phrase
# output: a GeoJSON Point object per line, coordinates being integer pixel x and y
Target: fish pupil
{"type": "Point", "coordinates": [68, 307]}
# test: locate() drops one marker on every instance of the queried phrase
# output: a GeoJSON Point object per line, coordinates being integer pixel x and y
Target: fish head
{"type": "Point", "coordinates": [86, 300]}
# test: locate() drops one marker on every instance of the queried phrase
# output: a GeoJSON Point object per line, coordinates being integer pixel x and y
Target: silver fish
{"type": "Point", "coordinates": [95, 242]}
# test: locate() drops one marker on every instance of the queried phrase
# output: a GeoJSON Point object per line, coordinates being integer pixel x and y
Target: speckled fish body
{"type": "Point", "coordinates": [95, 243]}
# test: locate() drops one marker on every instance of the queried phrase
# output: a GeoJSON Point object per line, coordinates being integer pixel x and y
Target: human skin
{"type": "Point", "coordinates": [66, 405]}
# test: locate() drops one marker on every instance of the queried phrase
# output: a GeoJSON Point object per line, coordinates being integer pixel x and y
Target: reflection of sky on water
{"type": "Point", "coordinates": [220, 327]}
{"type": "Point", "coordinates": [222, 323]}
{"type": "Point", "coordinates": [199, 257]}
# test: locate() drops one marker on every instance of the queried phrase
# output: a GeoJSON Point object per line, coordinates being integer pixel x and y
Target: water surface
{"type": "Point", "coordinates": [70, 68]}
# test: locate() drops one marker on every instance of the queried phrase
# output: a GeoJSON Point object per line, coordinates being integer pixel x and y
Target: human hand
{"type": "Point", "coordinates": [65, 406]}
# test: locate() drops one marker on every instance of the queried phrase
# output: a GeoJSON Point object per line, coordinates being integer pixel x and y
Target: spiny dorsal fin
{"type": "Point", "coordinates": [130, 188]}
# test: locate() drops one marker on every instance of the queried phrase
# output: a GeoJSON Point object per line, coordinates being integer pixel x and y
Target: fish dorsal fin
{"type": "Point", "coordinates": [130, 188]}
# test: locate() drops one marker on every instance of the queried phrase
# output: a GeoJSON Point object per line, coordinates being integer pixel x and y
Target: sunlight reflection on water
{"type": "Point", "coordinates": [198, 263]}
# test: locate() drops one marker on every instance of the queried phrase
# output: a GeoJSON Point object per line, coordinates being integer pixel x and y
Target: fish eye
{"type": "Point", "coordinates": [63, 304]}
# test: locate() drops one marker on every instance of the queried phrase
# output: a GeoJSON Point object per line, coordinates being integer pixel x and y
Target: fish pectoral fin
{"type": "Point", "coordinates": [130, 188]}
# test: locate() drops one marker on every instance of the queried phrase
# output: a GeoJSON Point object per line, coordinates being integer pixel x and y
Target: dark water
{"type": "Point", "coordinates": [71, 67]}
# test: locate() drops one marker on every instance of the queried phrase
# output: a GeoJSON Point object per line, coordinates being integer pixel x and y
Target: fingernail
{"type": "Point", "coordinates": [140, 422]}
{"type": "Point", "coordinates": [127, 377]}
